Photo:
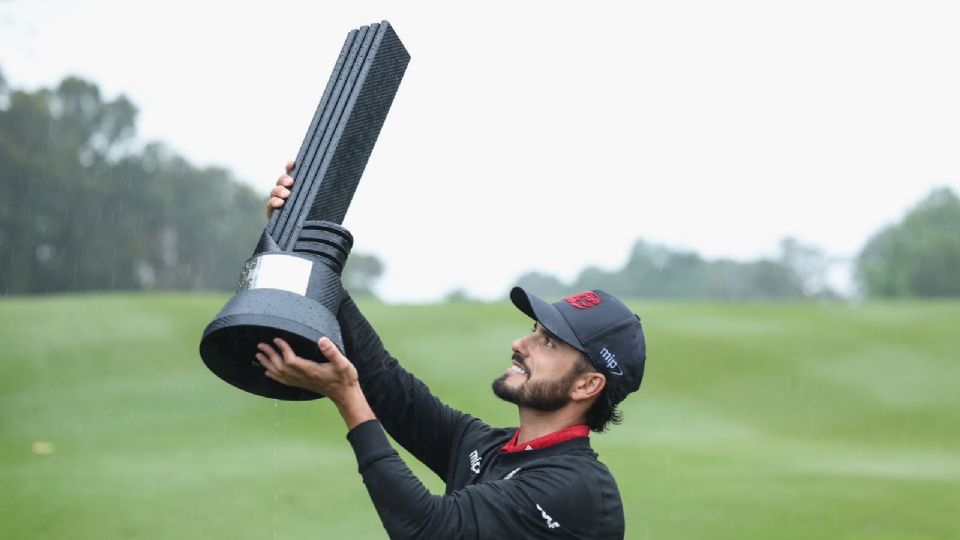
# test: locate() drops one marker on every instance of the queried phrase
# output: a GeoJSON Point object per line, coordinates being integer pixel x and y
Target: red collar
{"type": "Point", "coordinates": [557, 437]}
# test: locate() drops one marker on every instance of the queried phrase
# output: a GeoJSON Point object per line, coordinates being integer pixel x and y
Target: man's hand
{"type": "Point", "coordinates": [337, 379]}
{"type": "Point", "coordinates": [280, 193]}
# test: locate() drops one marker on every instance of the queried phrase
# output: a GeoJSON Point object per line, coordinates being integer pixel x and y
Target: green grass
{"type": "Point", "coordinates": [789, 421]}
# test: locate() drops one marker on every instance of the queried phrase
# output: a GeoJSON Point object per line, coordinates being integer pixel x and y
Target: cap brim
{"type": "Point", "coordinates": [546, 314]}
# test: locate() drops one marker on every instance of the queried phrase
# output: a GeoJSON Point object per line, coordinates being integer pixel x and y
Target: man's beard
{"type": "Point", "coordinates": [545, 396]}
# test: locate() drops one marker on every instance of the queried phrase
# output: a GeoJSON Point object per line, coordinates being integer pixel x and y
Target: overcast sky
{"type": "Point", "coordinates": [549, 135]}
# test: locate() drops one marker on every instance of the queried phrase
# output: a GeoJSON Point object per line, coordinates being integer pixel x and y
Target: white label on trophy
{"type": "Point", "coordinates": [276, 271]}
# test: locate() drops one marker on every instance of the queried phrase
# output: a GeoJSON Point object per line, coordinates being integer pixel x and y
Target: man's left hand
{"type": "Point", "coordinates": [332, 379]}
{"type": "Point", "coordinates": [337, 379]}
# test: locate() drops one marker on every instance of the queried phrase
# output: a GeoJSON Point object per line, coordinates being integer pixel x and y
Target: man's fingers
{"type": "Point", "coordinates": [274, 376]}
{"type": "Point", "coordinates": [289, 356]}
{"type": "Point", "coordinates": [262, 358]}
{"type": "Point", "coordinates": [278, 197]}
{"type": "Point", "coordinates": [332, 353]}
{"type": "Point", "coordinates": [271, 370]}
{"type": "Point", "coordinates": [285, 181]}
{"type": "Point", "coordinates": [281, 192]}
{"type": "Point", "coordinates": [271, 355]}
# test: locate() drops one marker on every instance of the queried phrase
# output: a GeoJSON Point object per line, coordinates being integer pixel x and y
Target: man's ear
{"type": "Point", "coordinates": [588, 386]}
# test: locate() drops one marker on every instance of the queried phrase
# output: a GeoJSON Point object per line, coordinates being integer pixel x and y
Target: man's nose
{"type": "Point", "coordinates": [519, 345]}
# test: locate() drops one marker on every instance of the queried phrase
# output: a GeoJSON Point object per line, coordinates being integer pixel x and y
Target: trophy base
{"type": "Point", "coordinates": [229, 343]}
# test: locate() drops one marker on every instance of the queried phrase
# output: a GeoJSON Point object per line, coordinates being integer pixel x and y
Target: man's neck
{"type": "Point", "coordinates": [536, 424]}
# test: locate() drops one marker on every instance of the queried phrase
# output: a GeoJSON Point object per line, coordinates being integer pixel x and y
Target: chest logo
{"type": "Point", "coordinates": [475, 462]}
{"type": "Point", "coordinates": [550, 522]}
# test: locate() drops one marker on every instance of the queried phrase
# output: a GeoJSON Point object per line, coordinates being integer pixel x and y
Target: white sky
{"type": "Point", "coordinates": [549, 135]}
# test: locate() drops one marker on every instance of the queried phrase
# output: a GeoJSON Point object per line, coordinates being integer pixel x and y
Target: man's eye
{"type": "Point", "coordinates": [548, 341]}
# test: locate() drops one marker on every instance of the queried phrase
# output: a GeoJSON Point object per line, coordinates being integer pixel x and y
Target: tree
{"type": "Point", "coordinates": [543, 285]}
{"type": "Point", "coordinates": [361, 274]}
{"type": "Point", "coordinates": [654, 271]}
{"type": "Point", "coordinates": [83, 211]}
{"type": "Point", "coordinates": [809, 264]}
{"type": "Point", "coordinates": [919, 256]}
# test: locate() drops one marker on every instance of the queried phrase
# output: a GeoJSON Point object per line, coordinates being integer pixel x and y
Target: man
{"type": "Point", "coordinates": [540, 480]}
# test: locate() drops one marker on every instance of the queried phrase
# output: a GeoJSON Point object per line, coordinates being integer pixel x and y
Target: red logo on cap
{"type": "Point", "coordinates": [584, 300]}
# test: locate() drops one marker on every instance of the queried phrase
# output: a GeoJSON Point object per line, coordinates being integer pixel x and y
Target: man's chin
{"type": "Point", "coordinates": [539, 397]}
{"type": "Point", "coordinates": [503, 390]}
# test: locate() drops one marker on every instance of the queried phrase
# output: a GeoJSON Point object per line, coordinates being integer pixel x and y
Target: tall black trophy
{"type": "Point", "coordinates": [290, 287]}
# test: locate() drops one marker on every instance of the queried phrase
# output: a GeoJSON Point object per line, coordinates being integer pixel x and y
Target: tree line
{"type": "Point", "coordinates": [87, 206]}
{"type": "Point", "coordinates": [918, 256]}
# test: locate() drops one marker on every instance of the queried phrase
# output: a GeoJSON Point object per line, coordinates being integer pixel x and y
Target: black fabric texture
{"type": "Point", "coordinates": [562, 491]}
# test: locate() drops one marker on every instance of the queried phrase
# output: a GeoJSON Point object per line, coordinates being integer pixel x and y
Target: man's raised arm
{"type": "Point", "coordinates": [406, 408]}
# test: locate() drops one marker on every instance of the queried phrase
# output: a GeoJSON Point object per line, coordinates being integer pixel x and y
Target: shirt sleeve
{"type": "Point", "coordinates": [536, 504]}
{"type": "Point", "coordinates": [411, 414]}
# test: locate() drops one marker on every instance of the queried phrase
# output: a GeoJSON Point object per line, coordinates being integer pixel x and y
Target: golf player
{"type": "Point", "coordinates": [584, 355]}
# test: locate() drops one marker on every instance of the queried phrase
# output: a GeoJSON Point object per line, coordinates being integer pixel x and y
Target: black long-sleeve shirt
{"type": "Point", "coordinates": [561, 491]}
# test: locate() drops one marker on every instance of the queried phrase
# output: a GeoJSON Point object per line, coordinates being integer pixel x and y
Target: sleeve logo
{"type": "Point", "coordinates": [550, 522]}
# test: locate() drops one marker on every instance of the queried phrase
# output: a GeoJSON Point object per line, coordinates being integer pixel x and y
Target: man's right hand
{"type": "Point", "coordinates": [280, 193]}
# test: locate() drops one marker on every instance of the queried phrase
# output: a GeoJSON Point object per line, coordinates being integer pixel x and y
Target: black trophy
{"type": "Point", "coordinates": [290, 287]}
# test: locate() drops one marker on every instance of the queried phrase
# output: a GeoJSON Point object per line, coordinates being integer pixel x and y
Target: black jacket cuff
{"type": "Point", "coordinates": [369, 443]}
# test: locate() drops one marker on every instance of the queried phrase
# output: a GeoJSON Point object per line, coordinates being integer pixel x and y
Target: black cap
{"type": "Point", "coordinates": [598, 325]}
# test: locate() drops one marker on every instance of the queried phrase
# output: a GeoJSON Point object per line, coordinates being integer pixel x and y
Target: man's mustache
{"type": "Point", "coordinates": [519, 359]}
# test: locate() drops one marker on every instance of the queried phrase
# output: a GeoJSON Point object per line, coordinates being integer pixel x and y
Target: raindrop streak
{"type": "Point", "coordinates": [276, 487]}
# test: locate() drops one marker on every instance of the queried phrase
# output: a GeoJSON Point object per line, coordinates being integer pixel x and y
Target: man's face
{"type": "Point", "coordinates": [542, 373]}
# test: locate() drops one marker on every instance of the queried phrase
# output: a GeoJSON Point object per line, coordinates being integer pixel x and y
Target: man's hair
{"type": "Point", "coordinates": [603, 412]}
